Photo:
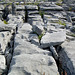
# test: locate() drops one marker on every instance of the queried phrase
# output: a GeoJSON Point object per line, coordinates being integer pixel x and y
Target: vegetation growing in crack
{"type": "Point", "coordinates": [17, 3]}
{"type": "Point", "coordinates": [70, 8]}
{"type": "Point", "coordinates": [40, 36]}
{"type": "Point", "coordinates": [5, 22]}
{"type": "Point", "coordinates": [71, 34]}
{"type": "Point", "coordinates": [36, 3]}
{"type": "Point", "coordinates": [61, 23]}
{"type": "Point", "coordinates": [59, 4]}
{"type": "Point", "coordinates": [41, 13]}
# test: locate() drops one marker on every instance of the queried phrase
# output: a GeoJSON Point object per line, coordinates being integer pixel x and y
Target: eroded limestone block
{"type": "Point", "coordinates": [33, 64]}
{"type": "Point", "coordinates": [55, 38]}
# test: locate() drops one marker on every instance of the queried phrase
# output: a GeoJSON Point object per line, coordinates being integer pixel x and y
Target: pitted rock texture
{"type": "Point", "coordinates": [34, 59]}
{"type": "Point", "coordinates": [53, 39]}
{"type": "Point", "coordinates": [44, 44]}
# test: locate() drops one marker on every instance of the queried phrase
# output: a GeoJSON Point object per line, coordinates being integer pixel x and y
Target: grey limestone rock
{"type": "Point", "coordinates": [38, 29]}
{"type": "Point", "coordinates": [25, 28]}
{"type": "Point", "coordinates": [55, 38]}
{"type": "Point", "coordinates": [33, 12]}
{"type": "Point", "coordinates": [8, 27]}
{"type": "Point", "coordinates": [33, 64]}
{"type": "Point", "coordinates": [52, 20]}
{"type": "Point", "coordinates": [31, 7]}
{"type": "Point", "coordinates": [51, 7]}
{"type": "Point", "coordinates": [34, 16]}
{"type": "Point", "coordinates": [33, 38]}
{"type": "Point", "coordinates": [53, 50]}
{"type": "Point", "coordinates": [20, 7]}
{"type": "Point", "coordinates": [1, 7]}
{"type": "Point", "coordinates": [67, 54]}
{"type": "Point", "coordinates": [2, 64]}
{"type": "Point", "coordinates": [5, 38]}
{"type": "Point", "coordinates": [21, 46]}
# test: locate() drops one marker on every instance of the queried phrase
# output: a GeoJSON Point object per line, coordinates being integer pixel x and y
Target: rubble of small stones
{"type": "Point", "coordinates": [38, 39]}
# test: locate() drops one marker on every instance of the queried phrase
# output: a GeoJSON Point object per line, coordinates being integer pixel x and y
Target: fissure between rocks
{"type": "Point", "coordinates": [37, 36]}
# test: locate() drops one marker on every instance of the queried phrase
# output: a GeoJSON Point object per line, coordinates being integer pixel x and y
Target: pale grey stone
{"type": "Point", "coordinates": [67, 54]}
{"type": "Point", "coordinates": [25, 28]}
{"type": "Point", "coordinates": [22, 13]}
{"type": "Point", "coordinates": [8, 27]}
{"type": "Point", "coordinates": [68, 25]}
{"type": "Point", "coordinates": [52, 20]}
{"type": "Point", "coordinates": [35, 21]}
{"type": "Point", "coordinates": [33, 64]}
{"type": "Point", "coordinates": [18, 71]}
{"type": "Point", "coordinates": [57, 25]}
{"type": "Point", "coordinates": [1, 7]}
{"type": "Point", "coordinates": [52, 7]}
{"type": "Point", "coordinates": [55, 38]}
{"type": "Point", "coordinates": [53, 50]}
{"type": "Point", "coordinates": [15, 19]}
{"type": "Point", "coordinates": [34, 16]}
{"type": "Point", "coordinates": [20, 7]}
{"type": "Point", "coordinates": [69, 33]}
{"type": "Point", "coordinates": [31, 7]}
{"type": "Point", "coordinates": [38, 29]}
{"type": "Point", "coordinates": [21, 46]}
{"type": "Point", "coordinates": [5, 38]}
{"type": "Point", "coordinates": [33, 38]}
{"type": "Point", "coordinates": [33, 12]}
{"type": "Point", "coordinates": [70, 37]}
{"type": "Point", "coordinates": [47, 16]}
{"type": "Point", "coordinates": [50, 28]}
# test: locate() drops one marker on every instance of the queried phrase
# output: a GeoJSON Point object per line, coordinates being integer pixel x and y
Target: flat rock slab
{"type": "Point", "coordinates": [55, 38]}
{"type": "Point", "coordinates": [34, 16]}
{"type": "Point", "coordinates": [33, 12]}
{"type": "Point", "coordinates": [54, 8]}
{"type": "Point", "coordinates": [25, 28]}
{"type": "Point", "coordinates": [7, 27]}
{"type": "Point", "coordinates": [20, 7]}
{"type": "Point", "coordinates": [29, 59]}
{"type": "Point", "coordinates": [38, 29]}
{"type": "Point", "coordinates": [33, 65]}
{"type": "Point", "coordinates": [53, 20]}
{"type": "Point", "coordinates": [37, 23]}
{"type": "Point", "coordinates": [31, 7]}
{"type": "Point", "coordinates": [23, 47]}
